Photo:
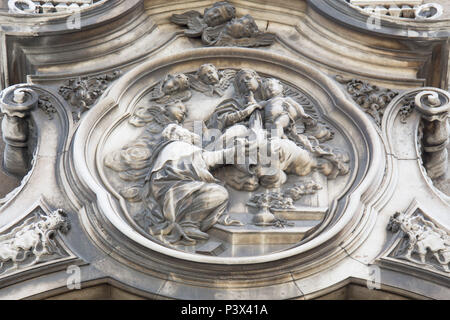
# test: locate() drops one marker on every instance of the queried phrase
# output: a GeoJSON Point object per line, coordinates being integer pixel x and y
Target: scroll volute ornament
{"type": "Point", "coordinates": [434, 106]}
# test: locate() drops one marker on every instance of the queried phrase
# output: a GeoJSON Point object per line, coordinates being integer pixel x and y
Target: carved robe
{"type": "Point", "coordinates": [184, 198]}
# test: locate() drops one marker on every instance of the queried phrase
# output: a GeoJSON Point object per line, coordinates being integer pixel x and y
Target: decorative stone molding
{"type": "Point", "coordinates": [161, 212]}
{"type": "Point", "coordinates": [16, 103]}
{"type": "Point", "coordinates": [218, 26]}
{"type": "Point", "coordinates": [434, 106]}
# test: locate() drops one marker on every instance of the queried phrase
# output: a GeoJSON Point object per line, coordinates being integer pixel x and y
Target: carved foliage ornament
{"type": "Point", "coordinates": [83, 92]}
{"type": "Point", "coordinates": [46, 106]}
{"type": "Point", "coordinates": [219, 26]}
{"type": "Point", "coordinates": [422, 241]}
{"type": "Point", "coordinates": [185, 181]}
{"type": "Point", "coordinates": [372, 99]}
{"type": "Point", "coordinates": [33, 241]}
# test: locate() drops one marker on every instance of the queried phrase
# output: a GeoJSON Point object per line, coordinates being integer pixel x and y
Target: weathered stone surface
{"type": "Point", "coordinates": [242, 150]}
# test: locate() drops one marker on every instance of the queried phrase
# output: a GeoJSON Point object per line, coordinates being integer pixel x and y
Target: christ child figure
{"type": "Point", "coordinates": [280, 112]}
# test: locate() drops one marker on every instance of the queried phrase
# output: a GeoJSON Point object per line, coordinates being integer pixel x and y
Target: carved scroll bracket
{"type": "Point", "coordinates": [16, 103]}
{"type": "Point", "coordinates": [434, 107]}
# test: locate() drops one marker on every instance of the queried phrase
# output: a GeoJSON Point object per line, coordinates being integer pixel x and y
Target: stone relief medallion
{"type": "Point", "coordinates": [227, 159]}
{"type": "Point", "coordinates": [210, 161]}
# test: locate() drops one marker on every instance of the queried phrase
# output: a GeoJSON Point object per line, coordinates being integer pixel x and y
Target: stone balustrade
{"type": "Point", "coordinates": [53, 6]}
{"type": "Point", "coordinates": [412, 9]}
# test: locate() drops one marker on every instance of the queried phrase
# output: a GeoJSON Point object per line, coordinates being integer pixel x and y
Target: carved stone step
{"type": "Point", "coordinates": [301, 213]}
{"type": "Point", "coordinates": [251, 234]}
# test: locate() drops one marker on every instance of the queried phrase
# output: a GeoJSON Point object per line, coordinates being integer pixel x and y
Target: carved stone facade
{"type": "Point", "coordinates": [227, 150]}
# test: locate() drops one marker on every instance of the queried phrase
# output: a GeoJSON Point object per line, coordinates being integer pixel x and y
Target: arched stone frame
{"type": "Point", "coordinates": [357, 214]}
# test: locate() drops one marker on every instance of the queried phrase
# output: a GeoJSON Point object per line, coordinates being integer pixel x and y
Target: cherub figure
{"type": "Point", "coordinates": [242, 32]}
{"type": "Point", "coordinates": [219, 14]}
{"type": "Point", "coordinates": [210, 81]}
{"type": "Point", "coordinates": [174, 87]}
{"type": "Point", "coordinates": [282, 116]}
{"type": "Point", "coordinates": [280, 112]}
{"type": "Point", "coordinates": [174, 112]}
{"type": "Point", "coordinates": [219, 27]}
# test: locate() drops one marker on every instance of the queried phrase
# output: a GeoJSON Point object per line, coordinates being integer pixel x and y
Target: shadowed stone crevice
{"type": "Point", "coordinates": [443, 183]}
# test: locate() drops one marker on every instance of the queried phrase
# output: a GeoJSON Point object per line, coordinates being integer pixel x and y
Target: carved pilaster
{"type": "Point", "coordinates": [16, 103]}
{"type": "Point", "coordinates": [434, 106]}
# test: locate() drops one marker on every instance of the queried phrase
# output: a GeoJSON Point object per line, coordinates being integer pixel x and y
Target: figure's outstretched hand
{"type": "Point", "coordinates": [254, 106]}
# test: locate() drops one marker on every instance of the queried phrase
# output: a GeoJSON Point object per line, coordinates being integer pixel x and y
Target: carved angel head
{"type": "Point", "coordinates": [176, 111]}
{"type": "Point", "coordinates": [244, 27]}
{"type": "Point", "coordinates": [175, 83]}
{"type": "Point", "coordinates": [208, 74]}
{"type": "Point", "coordinates": [219, 13]}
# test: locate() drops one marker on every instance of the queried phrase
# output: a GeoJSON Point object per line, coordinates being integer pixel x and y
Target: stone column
{"type": "Point", "coordinates": [434, 106]}
{"type": "Point", "coordinates": [16, 103]}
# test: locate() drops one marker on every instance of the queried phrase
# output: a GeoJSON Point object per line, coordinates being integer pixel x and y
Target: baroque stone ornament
{"type": "Point", "coordinates": [83, 92]}
{"type": "Point", "coordinates": [181, 185]}
{"type": "Point", "coordinates": [46, 106]}
{"type": "Point", "coordinates": [32, 241]}
{"type": "Point", "coordinates": [175, 165]}
{"type": "Point", "coordinates": [372, 99]}
{"type": "Point", "coordinates": [422, 242]}
{"type": "Point", "coordinates": [407, 108]}
{"type": "Point", "coordinates": [222, 171]}
{"type": "Point", "coordinates": [219, 26]}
